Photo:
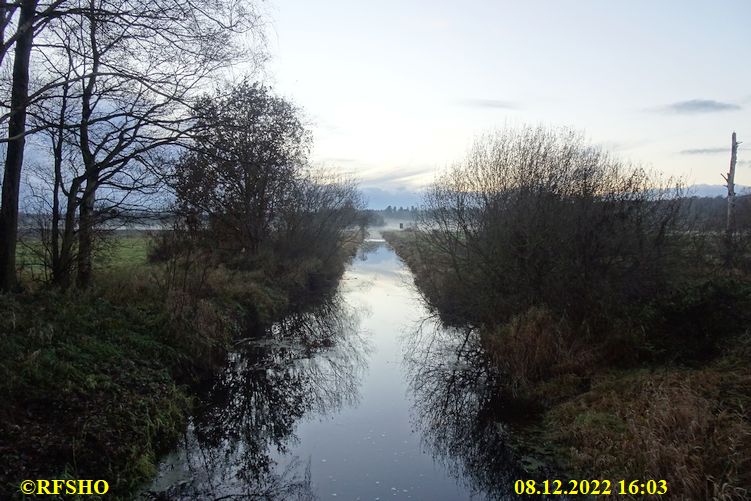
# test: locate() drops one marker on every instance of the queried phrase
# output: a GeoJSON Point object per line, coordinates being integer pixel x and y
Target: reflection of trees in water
{"type": "Point", "coordinates": [457, 408]}
{"type": "Point", "coordinates": [309, 363]}
{"type": "Point", "coordinates": [367, 247]}
{"type": "Point", "coordinates": [292, 483]}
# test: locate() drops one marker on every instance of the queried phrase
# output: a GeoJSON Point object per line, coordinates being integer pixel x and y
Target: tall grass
{"type": "Point", "coordinates": [690, 428]}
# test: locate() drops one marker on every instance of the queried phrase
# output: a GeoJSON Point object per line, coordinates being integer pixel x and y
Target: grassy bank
{"type": "Point", "coordinates": [662, 394]}
{"type": "Point", "coordinates": [96, 384]}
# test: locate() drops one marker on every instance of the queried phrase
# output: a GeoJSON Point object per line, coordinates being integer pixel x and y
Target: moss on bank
{"type": "Point", "coordinates": [95, 385]}
{"type": "Point", "coordinates": [663, 395]}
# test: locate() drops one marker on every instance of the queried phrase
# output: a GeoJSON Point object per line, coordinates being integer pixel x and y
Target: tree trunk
{"type": "Point", "coordinates": [86, 216]}
{"type": "Point", "coordinates": [55, 231]}
{"type": "Point", "coordinates": [730, 243]}
{"type": "Point", "coordinates": [86, 234]}
{"type": "Point", "coordinates": [3, 13]}
{"type": "Point", "coordinates": [58, 139]}
{"type": "Point", "coordinates": [730, 227]}
{"type": "Point", "coordinates": [6, 14]}
{"type": "Point", "coordinates": [61, 276]}
{"type": "Point", "coordinates": [15, 149]}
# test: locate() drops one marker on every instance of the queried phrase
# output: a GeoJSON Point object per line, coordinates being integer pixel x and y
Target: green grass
{"type": "Point", "coordinates": [29, 259]}
{"type": "Point", "coordinates": [118, 252]}
{"type": "Point", "coordinates": [88, 388]}
{"type": "Point", "coordinates": [97, 384]}
{"type": "Point", "coordinates": [125, 251]}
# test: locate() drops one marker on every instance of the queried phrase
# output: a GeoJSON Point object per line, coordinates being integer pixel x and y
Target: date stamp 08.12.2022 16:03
{"type": "Point", "coordinates": [591, 487]}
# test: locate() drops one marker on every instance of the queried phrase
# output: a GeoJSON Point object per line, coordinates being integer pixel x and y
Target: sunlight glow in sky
{"type": "Point", "coordinates": [397, 90]}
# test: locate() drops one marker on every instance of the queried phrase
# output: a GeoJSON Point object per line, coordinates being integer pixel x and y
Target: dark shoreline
{"type": "Point", "coordinates": [100, 384]}
{"type": "Point", "coordinates": [651, 419]}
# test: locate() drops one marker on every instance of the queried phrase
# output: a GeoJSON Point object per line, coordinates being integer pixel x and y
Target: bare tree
{"type": "Point", "coordinates": [730, 181]}
{"type": "Point", "coordinates": [32, 18]}
{"type": "Point", "coordinates": [129, 72]}
{"type": "Point", "coordinates": [242, 170]}
{"type": "Point", "coordinates": [320, 219]}
{"type": "Point", "coordinates": [247, 176]}
{"type": "Point", "coordinates": [16, 144]}
{"type": "Point", "coordinates": [730, 225]}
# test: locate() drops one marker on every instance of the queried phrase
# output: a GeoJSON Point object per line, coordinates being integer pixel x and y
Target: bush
{"type": "Point", "coordinates": [689, 324]}
{"type": "Point", "coordinates": [537, 217]}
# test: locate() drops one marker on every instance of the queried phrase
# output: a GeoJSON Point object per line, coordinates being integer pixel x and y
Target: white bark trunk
{"type": "Point", "coordinates": [730, 228]}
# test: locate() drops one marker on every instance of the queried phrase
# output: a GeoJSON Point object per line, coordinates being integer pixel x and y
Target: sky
{"type": "Point", "coordinates": [396, 91]}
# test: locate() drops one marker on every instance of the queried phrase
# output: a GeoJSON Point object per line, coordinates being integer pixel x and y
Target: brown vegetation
{"type": "Point", "coordinates": [602, 303]}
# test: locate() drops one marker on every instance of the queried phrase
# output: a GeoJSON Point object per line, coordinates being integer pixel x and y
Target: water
{"type": "Point", "coordinates": [364, 397]}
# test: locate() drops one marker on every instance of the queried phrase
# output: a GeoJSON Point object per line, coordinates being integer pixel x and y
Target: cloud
{"type": "Point", "coordinates": [338, 160]}
{"type": "Point", "coordinates": [397, 176]}
{"type": "Point", "coordinates": [389, 179]}
{"type": "Point", "coordinates": [698, 106]}
{"type": "Point", "coordinates": [704, 151]}
{"type": "Point", "coordinates": [488, 104]}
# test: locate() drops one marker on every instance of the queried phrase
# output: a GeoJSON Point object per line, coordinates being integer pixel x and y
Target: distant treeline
{"type": "Point", "coordinates": [710, 213]}
{"type": "Point", "coordinates": [700, 212]}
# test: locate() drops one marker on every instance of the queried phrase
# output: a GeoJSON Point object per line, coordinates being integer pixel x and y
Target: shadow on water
{"type": "Point", "coordinates": [458, 409]}
{"type": "Point", "coordinates": [307, 364]}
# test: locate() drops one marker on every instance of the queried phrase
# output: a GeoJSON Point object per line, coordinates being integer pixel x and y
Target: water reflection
{"type": "Point", "coordinates": [308, 364]}
{"type": "Point", "coordinates": [459, 410]}
{"type": "Point", "coordinates": [309, 409]}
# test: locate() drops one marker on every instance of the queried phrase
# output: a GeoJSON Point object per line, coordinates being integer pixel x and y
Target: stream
{"type": "Point", "coordinates": [365, 396]}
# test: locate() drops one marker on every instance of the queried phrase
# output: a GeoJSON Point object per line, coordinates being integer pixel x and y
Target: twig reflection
{"type": "Point", "coordinates": [458, 408]}
{"type": "Point", "coordinates": [308, 364]}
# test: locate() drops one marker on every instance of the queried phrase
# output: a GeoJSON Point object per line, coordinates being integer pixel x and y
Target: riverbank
{"type": "Point", "coordinates": [326, 404]}
{"type": "Point", "coordinates": [667, 400]}
{"type": "Point", "coordinates": [97, 384]}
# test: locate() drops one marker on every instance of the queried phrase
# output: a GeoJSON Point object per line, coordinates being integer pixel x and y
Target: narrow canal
{"type": "Point", "coordinates": [364, 397]}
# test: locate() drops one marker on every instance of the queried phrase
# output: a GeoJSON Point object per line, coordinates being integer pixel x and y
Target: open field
{"type": "Point", "coordinates": [121, 250]}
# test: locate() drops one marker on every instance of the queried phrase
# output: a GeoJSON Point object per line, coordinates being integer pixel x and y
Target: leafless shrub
{"type": "Point", "coordinates": [537, 217]}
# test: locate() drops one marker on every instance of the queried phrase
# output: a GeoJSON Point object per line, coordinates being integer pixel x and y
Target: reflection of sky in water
{"type": "Point", "coordinates": [370, 451]}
